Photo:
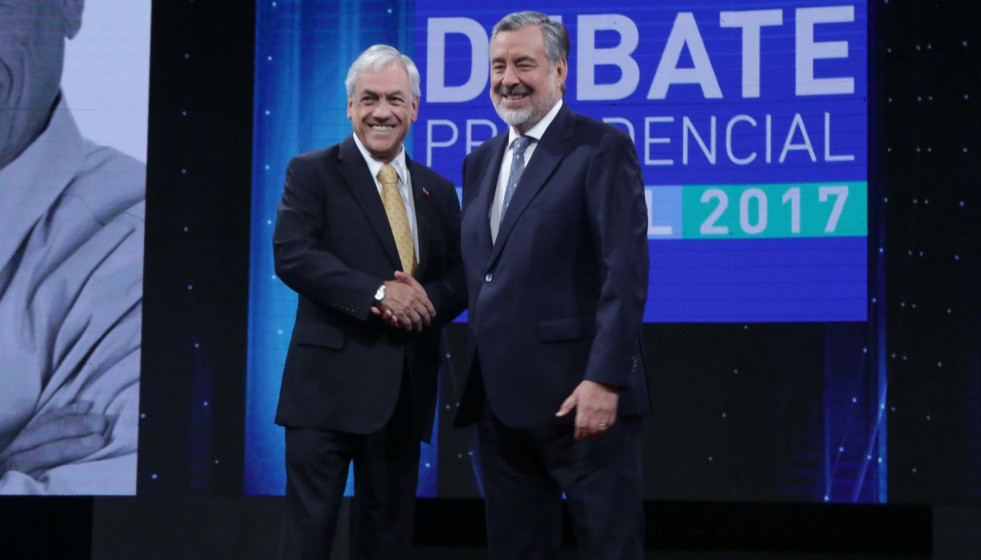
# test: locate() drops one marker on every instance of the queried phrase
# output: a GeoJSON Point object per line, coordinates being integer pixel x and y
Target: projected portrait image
{"type": "Point", "coordinates": [71, 258]}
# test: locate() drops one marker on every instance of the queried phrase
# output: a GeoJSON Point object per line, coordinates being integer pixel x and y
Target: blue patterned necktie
{"type": "Point", "coordinates": [519, 146]}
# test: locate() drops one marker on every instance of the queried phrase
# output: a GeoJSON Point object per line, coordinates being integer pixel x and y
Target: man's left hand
{"type": "Point", "coordinates": [596, 408]}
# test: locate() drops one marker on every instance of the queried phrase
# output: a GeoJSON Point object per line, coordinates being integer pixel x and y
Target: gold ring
{"type": "Point", "coordinates": [602, 425]}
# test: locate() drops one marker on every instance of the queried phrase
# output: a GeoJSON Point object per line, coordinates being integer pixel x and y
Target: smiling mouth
{"type": "Point", "coordinates": [513, 94]}
{"type": "Point", "coordinates": [381, 127]}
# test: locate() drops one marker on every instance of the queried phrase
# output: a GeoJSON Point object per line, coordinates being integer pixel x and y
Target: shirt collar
{"type": "Point", "coordinates": [538, 130]}
{"type": "Point", "coordinates": [31, 183]}
{"type": "Point", "coordinates": [374, 165]}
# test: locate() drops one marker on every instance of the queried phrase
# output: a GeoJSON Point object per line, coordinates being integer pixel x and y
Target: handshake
{"type": "Point", "coordinates": [406, 305]}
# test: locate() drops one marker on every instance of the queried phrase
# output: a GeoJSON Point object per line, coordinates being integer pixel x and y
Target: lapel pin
{"type": "Point", "coordinates": [425, 192]}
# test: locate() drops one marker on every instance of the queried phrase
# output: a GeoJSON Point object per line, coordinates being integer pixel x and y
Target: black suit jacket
{"type": "Point", "coordinates": [559, 297]}
{"type": "Point", "coordinates": [334, 246]}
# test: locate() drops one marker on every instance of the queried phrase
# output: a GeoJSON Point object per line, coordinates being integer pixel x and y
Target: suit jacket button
{"type": "Point", "coordinates": [488, 277]}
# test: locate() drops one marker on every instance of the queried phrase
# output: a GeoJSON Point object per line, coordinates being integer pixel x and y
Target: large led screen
{"type": "Point", "coordinates": [74, 79]}
{"type": "Point", "coordinates": [749, 119]}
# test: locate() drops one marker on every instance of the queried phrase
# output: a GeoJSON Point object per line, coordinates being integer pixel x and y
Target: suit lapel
{"type": "Point", "coordinates": [550, 151]}
{"type": "Point", "coordinates": [480, 207]}
{"type": "Point", "coordinates": [355, 172]}
{"type": "Point", "coordinates": [424, 215]}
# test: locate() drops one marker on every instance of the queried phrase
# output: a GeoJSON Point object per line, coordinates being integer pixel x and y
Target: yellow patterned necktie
{"type": "Point", "coordinates": [397, 217]}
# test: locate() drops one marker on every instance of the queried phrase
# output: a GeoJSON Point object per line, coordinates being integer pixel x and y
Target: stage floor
{"type": "Point", "coordinates": [481, 554]}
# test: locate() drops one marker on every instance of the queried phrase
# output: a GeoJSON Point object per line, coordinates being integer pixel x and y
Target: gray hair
{"type": "Point", "coordinates": [378, 56]}
{"type": "Point", "coordinates": [554, 33]}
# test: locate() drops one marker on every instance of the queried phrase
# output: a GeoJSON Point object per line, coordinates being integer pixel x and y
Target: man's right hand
{"type": "Point", "coordinates": [406, 304]}
{"type": "Point", "coordinates": [58, 437]}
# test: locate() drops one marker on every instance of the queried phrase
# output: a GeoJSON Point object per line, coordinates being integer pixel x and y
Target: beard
{"type": "Point", "coordinates": [525, 117]}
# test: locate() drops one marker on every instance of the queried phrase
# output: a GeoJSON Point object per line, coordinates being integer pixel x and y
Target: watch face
{"type": "Point", "coordinates": [380, 294]}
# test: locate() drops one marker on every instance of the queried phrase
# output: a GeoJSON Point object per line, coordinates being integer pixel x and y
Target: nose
{"type": "Point", "coordinates": [510, 77]}
{"type": "Point", "coordinates": [382, 110]}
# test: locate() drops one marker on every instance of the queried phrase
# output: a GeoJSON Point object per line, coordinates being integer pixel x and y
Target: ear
{"type": "Point", "coordinates": [350, 108]}
{"type": "Point", "coordinates": [562, 71]}
{"type": "Point", "coordinates": [414, 110]}
{"type": "Point", "coordinates": [72, 12]}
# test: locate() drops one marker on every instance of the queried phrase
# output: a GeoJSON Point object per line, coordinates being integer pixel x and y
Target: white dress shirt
{"type": "Point", "coordinates": [534, 132]}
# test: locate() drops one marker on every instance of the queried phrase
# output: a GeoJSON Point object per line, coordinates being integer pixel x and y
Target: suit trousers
{"type": "Point", "coordinates": [386, 471]}
{"type": "Point", "coordinates": [526, 471]}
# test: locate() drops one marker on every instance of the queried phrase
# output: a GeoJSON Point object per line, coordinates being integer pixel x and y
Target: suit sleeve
{"type": "Point", "coordinates": [617, 215]}
{"type": "Point", "coordinates": [300, 260]}
{"type": "Point", "coordinates": [448, 293]}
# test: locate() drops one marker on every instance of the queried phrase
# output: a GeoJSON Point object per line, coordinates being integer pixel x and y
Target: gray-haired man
{"type": "Point", "coordinates": [370, 241]}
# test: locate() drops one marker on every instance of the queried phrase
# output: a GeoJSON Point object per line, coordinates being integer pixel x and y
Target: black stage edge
{"type": "Point", "coordinates": [818, 528]}
{"type": "Point", "coordinates": [167, 528]}
{"type": "Point", "coordinates": [35, 527]}
{"type": "Point", "coordinates": [174, 528]}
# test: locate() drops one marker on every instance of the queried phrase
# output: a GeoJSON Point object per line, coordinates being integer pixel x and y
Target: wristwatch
{"type": "Point", "coordinates": [380, 294]}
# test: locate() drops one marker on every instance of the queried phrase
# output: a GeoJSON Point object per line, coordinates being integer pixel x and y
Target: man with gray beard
{"type": "Point", "coordinates": [554, 238]}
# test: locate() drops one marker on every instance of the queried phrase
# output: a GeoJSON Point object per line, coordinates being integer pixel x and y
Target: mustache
{"type": "Point", "coordinates": [516, 89]}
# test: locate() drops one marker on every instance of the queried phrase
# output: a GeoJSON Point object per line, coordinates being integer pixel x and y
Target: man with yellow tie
{"type": "Point", "coordinates": [369, 239]}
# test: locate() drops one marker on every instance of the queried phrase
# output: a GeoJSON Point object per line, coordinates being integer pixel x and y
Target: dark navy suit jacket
{"type": "Point", "coordinates": [559, 297]}
{"type": "Point", "coordinates": [334, 246]}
